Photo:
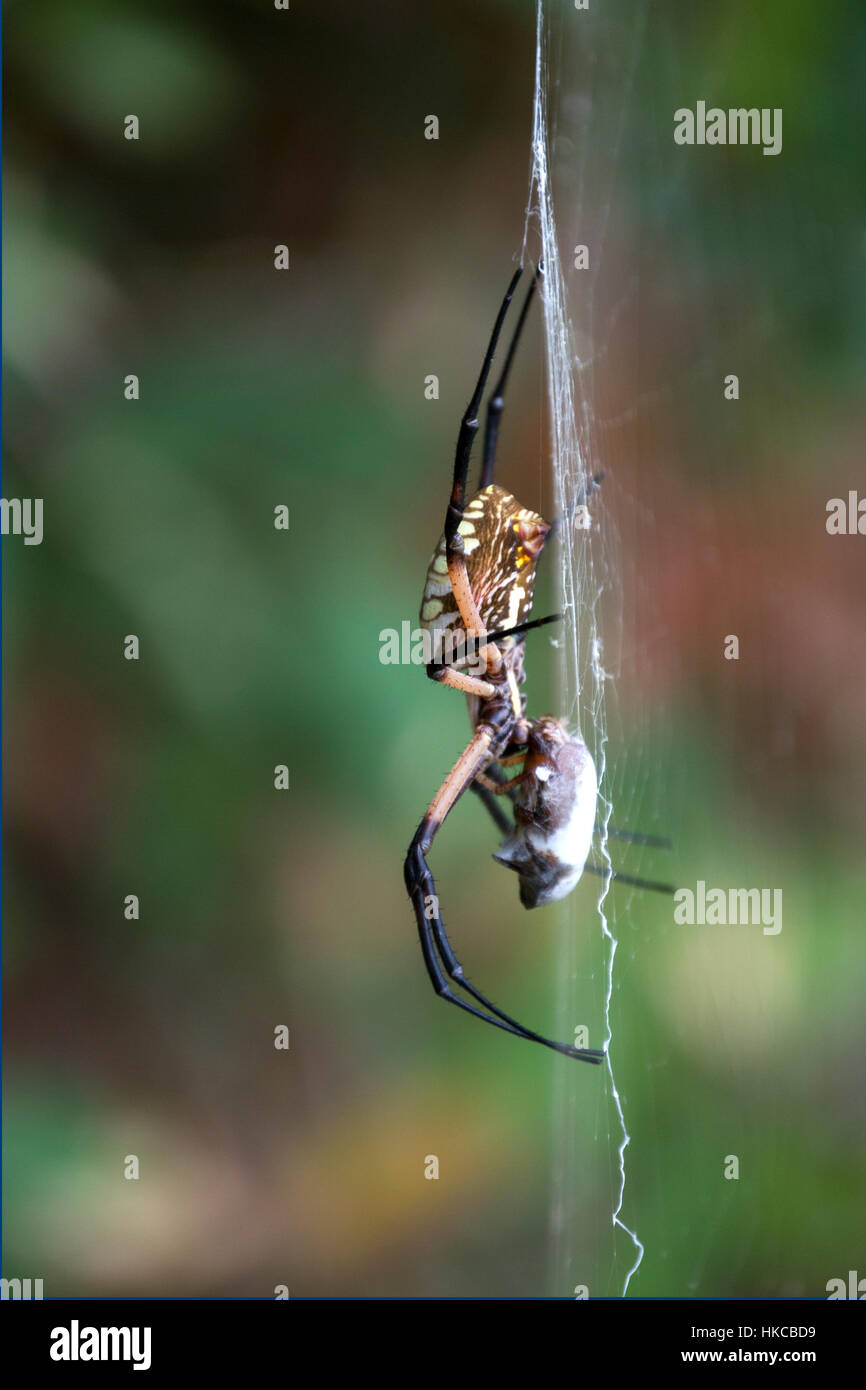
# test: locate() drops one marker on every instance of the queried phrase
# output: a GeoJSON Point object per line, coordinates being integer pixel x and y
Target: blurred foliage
{"type": "Point", "coordinates": [260, 647]}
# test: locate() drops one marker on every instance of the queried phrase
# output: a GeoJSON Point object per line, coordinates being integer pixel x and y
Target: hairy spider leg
{"type": "Point", "coordinates": [496, 403]}
{"type": "Point", "coordinates": [459, 680]}
{"type": "Point", "coordinates": [454, 549]}
{"type": "Point", "coordinates": [501, 788]}
{"type": "Point", "coordinates": [435, 946]}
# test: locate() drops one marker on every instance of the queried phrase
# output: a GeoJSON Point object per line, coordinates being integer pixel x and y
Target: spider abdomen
{"type": "Point", "coordinates": [502, 541]}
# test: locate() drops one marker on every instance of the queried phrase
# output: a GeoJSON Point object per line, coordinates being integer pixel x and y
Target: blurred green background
{"type": "Point", "coordinates": [260, 647]}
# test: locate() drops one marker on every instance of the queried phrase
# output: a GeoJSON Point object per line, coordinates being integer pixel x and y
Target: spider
{"type": "Point", "coordinates": [480, 588]}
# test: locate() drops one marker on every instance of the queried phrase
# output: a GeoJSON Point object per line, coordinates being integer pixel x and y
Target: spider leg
{"type": "Point", "coordinates": [636, 837]}
{"type": "Point", "coordinates": [437, 952]}
{"type": "Point", "coordinates": [500, 788]}
{"type": "Point", "coordinates": [497, 400]}
{"type": "Point", "coordinates": [435, 669]}
{"type": "Point", "coordinates": [523, 627]}
{"type": "Point", "coordinates": [459, 680]}
{"type": "Point", "coordinates": [435, 946]}
{"type": "Point", "coordinates": [419, 882]}
{"type": "Point", "coordinates": [469, 423]}
{"type": "Point", "coordinates": [617, 877]}
{"type": "Point", "coordinates": [454, 547]}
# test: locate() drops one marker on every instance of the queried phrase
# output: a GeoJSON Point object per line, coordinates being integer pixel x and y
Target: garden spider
{"type": "Point", "coordinates": [480, 585]}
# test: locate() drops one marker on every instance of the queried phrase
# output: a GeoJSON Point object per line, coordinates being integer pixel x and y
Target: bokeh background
{"type": "Point", "coordinates": [259, 647]}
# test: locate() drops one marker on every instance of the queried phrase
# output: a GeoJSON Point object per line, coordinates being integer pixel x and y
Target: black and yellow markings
{"type": "Point", "coordinates": [502, 540]}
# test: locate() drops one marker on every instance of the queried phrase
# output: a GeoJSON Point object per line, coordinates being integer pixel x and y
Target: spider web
{"type": "Point", "coordinates": [591, 600]}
